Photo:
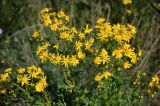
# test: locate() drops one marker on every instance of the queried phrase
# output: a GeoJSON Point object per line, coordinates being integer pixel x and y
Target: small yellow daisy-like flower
{"type": "Point", "coordinates": [58, 59]}
{"type": "Point", "coordinates": [103, 53]}
{"type": "Point", "coordinates": [98, 77]}
{"type": "Point", "coordinates": [97, 60]}
{"type": "Point", "coordinates": [117, 53]}
{"type": "Point", "coordinates": [65, 61]}
{"type": "Point", "coordinates": [39, 87]}
{"type": "Point", "coordinates": [3, 77]}
{"type": "Point", "coordinates": [3, 90]}
{"type": "Point", "coordinates": [80, 54]}
{"type": "Point", "coordinates": [61, 14]}
{"type": "Point", "coordinates": [21, 70]}
{"type": "Point", "coordinates": [155, 79]}
{"type": "Point", "coordinates": [100, 20]}
{"type": "Point", "coordinates": [35, 34]}
{"type": "Point", "coordinates": [45, 10]}
{"type": "Point", "coordinates": [23, 79]}
{"type": "Point", "coordinates": [134, 59]}
{"type": "Point", "coordinates": [8, 70]}
{"type": "Point", "coordinates": [73, 30]}
{"type": "Point", "coordinates": [87, 30]}
{"type": "Point", "coordinates": [87, 45]}
{"type": "Point", "coordinates": [46, 20]}
{"type": "Point", "coordinates": [107, 74]}
{"type": "Point", "coordinates": [126, 2]}
{"type": "Point", "coordinates": [78, 45]}
{"type": "Point", "coordinates": [43, 56]}
{"type": "Point", "coordinates": [127, 65]}
{"type": "Point", "coordinates": [74, 61]}
{"type": "Point", "coordinates": [43, 81]}
{"type": "Point", "coordinates": [67, 18]}
{"type": "Point", "coordinates": [81, 35]}
{"type": "Point", "coordinates": [54, 27]}
{"type": "Point", "coordinates": [151, 84]}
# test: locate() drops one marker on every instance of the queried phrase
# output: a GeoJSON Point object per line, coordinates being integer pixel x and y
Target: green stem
{"type": "Point", "coordinates": [24, 91]}
{"type": "Point", "coordinates": [47, 99]}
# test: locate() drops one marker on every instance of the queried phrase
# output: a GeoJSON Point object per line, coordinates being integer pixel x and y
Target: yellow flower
{"type": "Point", "coordinates": [105, 59]}
{"type": "Point", "coordinates": [87, 30]}
{"type": "Point", "coordinates": [34, 71]}
{"type": "Point", "coordinates": [3, 77]}
{"type": "Point", "coordinates": [117, 53]}
{"type": "Point", "coordinates": [97, 60]}
{"type": "Point", "coordinates": [46, 20]}
{"type": "Point", "coordinates": [125, 47]}
{"type": "Point", "coordinates": [151, 84]}
{"type": "Point", "coordinates": [80, 54]}
{"type": "Point", "coordinates": [57, 59]}
{"type": "Point", "coordinates": [98, 77]}
{"type": "Point", "coordinates": [105, 32]}
{"type": "Point", "coordinates": [100, 20]}
{"type": "Point", "coordinates": [103, 53]}
{"type": "Point", "coordinates": [8, 70]}
{"type": "Point", "coordinates": [74, 61]}
{"type": "Point", "coordinates": [43, 81]}
{"type": "Point", "coordinates": [54, 27]}
{"type": "Point", "coordinates": [127, 65]}
{"type": "Point", "coordinates": [104, 56]}
{"type": "Point", "coordinates": [107, 74]}
{"type": "Point", "coordinates": [126, 2]}
{"type": "Point", "coordinates": [61, 14]}
{"type": "Point", "coordinates": [65, 61]}
{"type": "Point", "coordinates": [78, 45]}
{"type": "Point", "coordinates": [140, 53]}
{"type": "Point", "coordinates": [91, 40]}
{"type": "Point", "coordinates": [39, 87]}
{"type": "Point", "coordinates": [73, 30]}
{"type": "Point", "coordinates": [134, 59]}
{"type": "Point", "coordinates": [132, 29]}
{"type": "Point", "coordinates": [3, 90]}
{"type": "Point", "coordinates": [45, 10]}
{"type": "Point", "coordinates": [35, 34]}
{"type": "Point", "coordinates": [81, 35]}
{"type": "Point", "coordinates": [87, 45]}
{"type": "Point", "coordinates": [67, 18]}
{"type": "Point", "coordinates": [23, 79]}
{"type": "Point", "coordinates": [129, 52]}
{"type": "Point", "coordinates": [155, 79]}
{"type": "Point", "coordinates": [65, 36]}
{"type": "Point", "coordinates": [21, 70]}
{"type": "Point", "coordinates": [43, 56]}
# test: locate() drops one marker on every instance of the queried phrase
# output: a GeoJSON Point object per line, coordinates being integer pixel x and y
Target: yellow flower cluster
{"type": "Point", "coordinates": [102, 57]}
{"type": "Point", "coordinates": [155, 82]}
{"type": "Point", "coordinates": [154, 85]}
{"type": "Point", "coordinates": [125, 51]}
{"type": "Point", "coordinates": [5, 77]}
{"type": "Point", "coordinates": [59, 23]}
{"type": "Point", "coordinates": [105, 74]}
{"type": "Point", "coordinates": [71, 46]}
{"type": "Point", "coordinates": [30, 77]}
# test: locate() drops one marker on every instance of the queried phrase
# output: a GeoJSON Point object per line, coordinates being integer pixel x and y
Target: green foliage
{"type": "Point", "coordinates": [19, 20]}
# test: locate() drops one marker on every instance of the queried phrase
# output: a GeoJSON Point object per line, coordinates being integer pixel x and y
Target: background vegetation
{"type": "Point", "coordinates": [20, 18]}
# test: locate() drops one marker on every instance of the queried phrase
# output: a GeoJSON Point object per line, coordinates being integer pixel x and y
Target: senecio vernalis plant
{"type": "Point", "coordinates": [95, 62]}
